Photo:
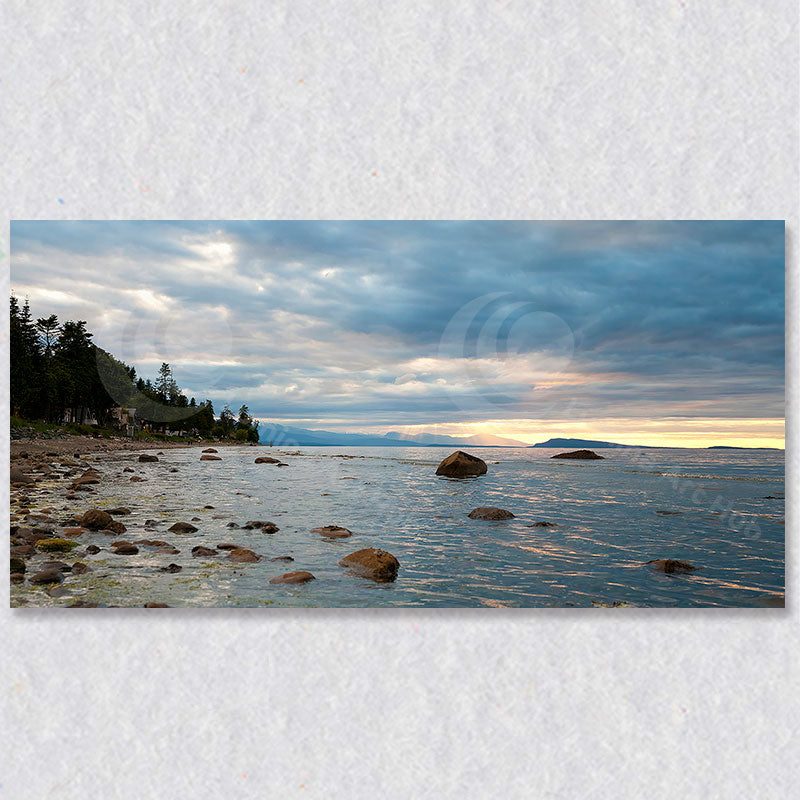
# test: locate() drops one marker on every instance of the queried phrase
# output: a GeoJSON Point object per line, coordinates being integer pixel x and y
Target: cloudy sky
{"type": "Point", "coordinates": [638, 332]}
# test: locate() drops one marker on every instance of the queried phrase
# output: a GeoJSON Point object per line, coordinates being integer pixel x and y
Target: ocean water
{"type": "Point", "coordinates": [709, 507]}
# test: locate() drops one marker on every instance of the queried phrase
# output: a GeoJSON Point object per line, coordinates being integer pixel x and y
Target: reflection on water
{"type": "Point", "coordinates": [610, 517]}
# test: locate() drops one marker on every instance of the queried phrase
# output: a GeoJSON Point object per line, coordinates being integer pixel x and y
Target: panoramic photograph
{"type": "Point", "coordinates": [442, 414]}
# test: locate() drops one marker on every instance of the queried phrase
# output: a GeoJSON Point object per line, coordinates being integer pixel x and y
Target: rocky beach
{"type": "Point", "coordinates": [104, 523]}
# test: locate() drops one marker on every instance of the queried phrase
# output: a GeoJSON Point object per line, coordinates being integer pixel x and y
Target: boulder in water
{"type": "Point", "coordinates": [95, 519]}
{"type": "Point", "coordinates": [293, 577]}
{"type": "Point", "coordinates": [671, 566]}
{"type": "Point", "coordinates": [378, 565]}
{"type": "Point", "coordinates": [267, 460]}
{"type": "Point", "coordinates": [490, 512]}
{"type": "Point", "coordinates": [210, 458]}
{"type": "Point", "coordinates": [332, 532]}
{"type": "Point", "coordinates": [147, 458]}
{"type": "Point", "coordinates": [461, 465]}
{"type": "Point", "coordinates": [182, 527]}
{"type": "Point", "coordinates": [241, 555]}
{"type": "Point", "coordinates": [584, 454]}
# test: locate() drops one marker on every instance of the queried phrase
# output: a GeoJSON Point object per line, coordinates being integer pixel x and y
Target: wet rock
{"type": "Point", "coordinates": [200, 551]}
{"type": "Point", "coordinates": [47, 576]}
{"type": "Point", "coordinates": [584, 454]}
{"type": "Point", "coordinates": [227, 546]}
{"type": "Point", "coordinates": [116, 527]}
{"type": "Point", "coordinates": [264, 527]}
{"type": "Point", "coordinates": [664, 513]}
{"type": "Point", "coordinates": [171, 568]}
{"type": "Point", "coordinates": [17, 577]}
{"type": "Point", "coordinates": [332, 532]}
{"type": "Point", "coordinates": [490, 512]}
{"type": "Point", "coordinates": [169, 550]}
{"type": "Point", "coordinates": [182, 527]}
{"type": "Point", "coordinates": [59, 565]}
{"type": "Point", "coordinates": [129, 469]}
{"type": "Point", "coordinates": [542, 524]}
{"type": "Point", "coordinates": [151, 523]}
{"type": "Point", "coordinates": [72, 533]}
{"type": "Point", "coordinates": [151, 542]}
{"type": "Point", "coordinates": [17, 565]}
{"type": "Point", "coordinates": [209, 450]}
{"type": "Point", "coordinates": [243, 556]}
{"type": "Point", "coordinates": [196, 519]}
{"type": "Point", "coordinates": [156, 605]}
{"type": "Point", "coordinates": [83, 604]}
{"type": "Point", "coordinates": [79, 568]}
{"type": "Point", "coordinates": [461, 465]}
{"type": "Point", "coordinates": [16, 475]}
{"type": "Point", "coordinates": [95, 519]}
{"type": "Point", "coordinates": [267, 460]}
{"type": "Point", "coordinates": [92, 549]}
{"type": "Point", "coordinates": [173, 469]}
{"type": "Point", "coordinates": [210, 458]}
{"type": "Point", "coordinates": [372, 563]}
{"type": "Point", "coordinates": [671, 566]}
{"type": "Point", "coordinates": [232, 525]}
{"type": "Point", "coordinates": [56, 591]}
{"type": "Point", "coordinates": [208, 506]}
{"type": "Point", "coordinates": [119, 512]}
{"type": "Point", "coordinates": [55, 545]}
{"type": "Point", "coordinates": [282, 558]}
{"type": "Point", "coordinates": [137, 479]}
{"type": "Point", "coordinates": [146, 459]}
{"type": "Point", "coordinates": [293, 577]}
{"type": "Point", "coordinates": [126, 550]}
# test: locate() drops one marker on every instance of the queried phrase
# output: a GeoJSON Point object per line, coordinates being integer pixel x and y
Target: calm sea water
{"type": "Point", "coordinates": [705, 506]}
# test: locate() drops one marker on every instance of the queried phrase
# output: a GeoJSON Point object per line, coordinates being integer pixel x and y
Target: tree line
{"type": "Point", "coordinates": [57, 374]}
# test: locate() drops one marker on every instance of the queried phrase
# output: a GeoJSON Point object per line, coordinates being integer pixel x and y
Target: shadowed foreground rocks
{"type": "Point", "coordinates": [461, 465]}
{"type": "Point", "coordinates": [378, 565]}
{"type": "Point", "coordinates": [490, 512]}
{"type": "Point", "coordinates": [587, 455]}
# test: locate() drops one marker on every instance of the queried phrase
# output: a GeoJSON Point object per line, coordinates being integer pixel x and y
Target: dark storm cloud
{"type": "Point", "coordinates": [426, 322]}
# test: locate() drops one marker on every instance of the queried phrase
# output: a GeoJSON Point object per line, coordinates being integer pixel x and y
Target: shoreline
{"type": "Point", "coordinates": [74, 443]}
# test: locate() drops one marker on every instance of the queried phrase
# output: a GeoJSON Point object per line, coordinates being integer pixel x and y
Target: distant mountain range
{"type": "Point", "coordinates": [288, 436]}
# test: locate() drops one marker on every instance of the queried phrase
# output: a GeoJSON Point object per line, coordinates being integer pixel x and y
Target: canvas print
{"type": "Point", "coordinates": [397, 414]}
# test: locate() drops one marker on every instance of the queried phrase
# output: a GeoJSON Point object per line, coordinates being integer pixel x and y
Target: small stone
{"type": "Point", "coordinates": [182, 527]}
{"type": "Point", "coordinates": [332, 532]}
{"type": "Point", "coordinates": [671, 566]}
{"type": "Point", "coordinates": [293, 577]}
{"type": "Point", "coordinates": [170, 568]}
{"type": "Point", "coordinates": [47, 576]}
{"type": "Point", "coordinates": [92, 549]}
{"type": "Point", "coordinates": [79, 568]}
{"type": "Point", "coordinates": [200, 551]}
{"type": "Point", "coordinates": [490, 513]}
{"type": "Point", "coordinates": [126, 550]}
{"type": "Point", "coordinates": [282, 558]}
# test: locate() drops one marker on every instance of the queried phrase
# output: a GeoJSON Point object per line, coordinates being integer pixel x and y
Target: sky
{"type": "Point", "coordinates": [658, 333]}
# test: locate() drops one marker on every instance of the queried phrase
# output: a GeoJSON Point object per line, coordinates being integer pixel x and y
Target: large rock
{"type": "Point", "coordinates": [372, 563]}
{"type": "Point", "coordinates": [210, 458]}
{"type": "Point", "coordinates": [267, 460]}
{"type": "Point", "coordinates": [200, 551]}
{"type": "Point", "coordinates": [490, 512]}
{"type": "Point", "coordinates": [182, 527]}
{"type": "Point", "coordinates": [96, 520]}
{"type": "Point", "coordinates": [671, 566]}
{"type": "Point", "coordinates": [461, 465]}
{"type": "Point", "coordinates": [47, 576]}
{"type": "Point", "coordinates": [293, 577]}
{"type": "Point", "coordinates": [243, 556]}
{"type": "Point", "coordinates": [145, 458]}
{"type": "Point", "coordinates": [18, 476]}
{"type": "Point", "coordinates": [332, 532]}
{"type": "Point", "coordinates": [584, 454]}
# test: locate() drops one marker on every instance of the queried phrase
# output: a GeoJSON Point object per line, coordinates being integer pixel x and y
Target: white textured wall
{"type": "Point", "coordinates": [615, 109]}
